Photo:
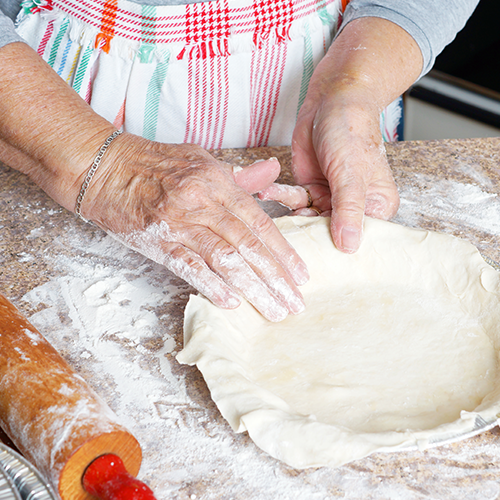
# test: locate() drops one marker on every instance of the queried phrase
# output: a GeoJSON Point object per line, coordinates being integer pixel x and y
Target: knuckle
{"type": "Point", "coordinates": [351, 208]}
{"type": "Point", "coordinates": [251, 245]}
{"type": "Point", "coordinates": [215, 251]}
{"type": "Point", "coordinates": [185, 263]}
{"type": "Point", "coordinates": [192, 191]}
{"type": "Point", "coordinates": [262, 224]}
{"type": "Point", "coordinates": [224, 255]}
{"type": "Point", "coordinates": [252, 240]}
{"type": "Point", "coordinates": [200, 182]}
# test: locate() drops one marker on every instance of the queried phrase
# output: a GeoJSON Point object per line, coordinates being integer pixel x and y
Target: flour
{"type": "Point", "coordinates": [98, 288]}
{"type": "Point", "coordinates": [241, 277]}
{"type": "Point", "coordinates": [159, 243]}
{"type": "Point", "coordinates": [107, 307]}
{"type": "Point", "coordinates": [450, 202]}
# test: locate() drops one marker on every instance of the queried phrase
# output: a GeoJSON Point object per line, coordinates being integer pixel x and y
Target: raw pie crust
{"type": "Point", "coordinates": [397, 349]}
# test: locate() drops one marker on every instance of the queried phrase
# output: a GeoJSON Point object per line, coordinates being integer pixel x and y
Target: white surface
{"type": "Point", "coordinates": [397, 348]}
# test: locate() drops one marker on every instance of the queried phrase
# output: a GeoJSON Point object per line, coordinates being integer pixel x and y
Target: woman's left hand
{"type": "Point", "coordinates": [339, 159]}
{"type": "Point", "coordinates": [337, 148]}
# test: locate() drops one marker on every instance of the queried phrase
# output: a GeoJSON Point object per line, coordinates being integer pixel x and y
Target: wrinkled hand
{"type": "Point", "coordinates": [175, 204]}
{"type": "Point", "coordinates": [338, 155]}
{"type": "Point", "coordinates": [337, 146]}
{"type": "Point", "coordinates": [182, 208]}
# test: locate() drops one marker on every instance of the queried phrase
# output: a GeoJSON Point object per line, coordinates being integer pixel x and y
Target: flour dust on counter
{"type": "Point", "coordinates": [473, 206]}
{"type": "Point", "coordinates": [117, 318]}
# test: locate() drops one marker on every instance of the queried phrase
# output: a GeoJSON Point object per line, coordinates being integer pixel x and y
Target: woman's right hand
{"type": "Point", "coordinates": [174, 203]}
{"type": "Point", "coordinates": [182, 208]}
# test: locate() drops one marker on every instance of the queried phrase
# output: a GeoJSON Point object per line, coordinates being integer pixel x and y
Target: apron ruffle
{"type": "Point", "coordinates": [221, 74]}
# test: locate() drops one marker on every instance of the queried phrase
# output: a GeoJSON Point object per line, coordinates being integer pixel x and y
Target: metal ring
{"type": "Point", "coordinates": [316, 209]}
{"type": "Point", "coordinates": [309, 198]}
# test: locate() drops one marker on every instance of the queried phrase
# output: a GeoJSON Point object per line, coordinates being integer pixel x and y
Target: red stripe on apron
{"type": "Point", "coordinates": [272, 104]}
{"type": "Point", "coordinates": [207, 34]}
{"type": "Point", "coordinates": [267, 69]}
{"type": "Point", "coordinates": [103, 39]}
{"type": "Point", "coordinates": [46, 38]}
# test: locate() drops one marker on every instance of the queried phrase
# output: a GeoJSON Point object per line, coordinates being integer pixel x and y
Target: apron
{"type": "Point", "coordinates": [220, 74]}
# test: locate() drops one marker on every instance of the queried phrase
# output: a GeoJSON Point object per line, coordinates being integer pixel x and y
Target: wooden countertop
{"type": "Point", "coordinates": [117, 319]}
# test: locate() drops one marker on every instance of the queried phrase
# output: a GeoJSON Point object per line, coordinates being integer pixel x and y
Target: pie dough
{"type": "Point", "coordinates": [397, 349]}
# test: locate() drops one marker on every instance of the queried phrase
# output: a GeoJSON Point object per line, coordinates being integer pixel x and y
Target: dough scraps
{"type": "Point", "coordinates": [397, 349]}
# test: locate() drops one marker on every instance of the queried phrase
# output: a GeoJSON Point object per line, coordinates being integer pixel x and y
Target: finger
{"type": "Point", "coordinates": [247, 265]}
{"type": "Point", "coordinates": [351, 200]}
{"type": "Point", "coordinates": [382, 198]}
{"type": "Point", "coordinates": [245, 226]}
{"type": "Point", "coordinates": [305, 166]}
{"type": "Point", "coordinates": [259, 225]}
{"type": "Point", "coordinates": [382, 207]}
{"type": "Point", "coordinates": [192, 269]}
{"type": "Point", "coordinates": [307, 212]}
{"type": "Point", "coordinates": [297, 197]}
{"type": "Point", "coordinates": [348, 207]}
{"type": "Point", "coordinates": [255, 222]}
{"type": "Point", "coordinates": [293, 197]}
{"type": "Point", "coordinates": [184, 263]}
{"type": "Point", "coordinates": [234, 273]}
{"type": "Point", "coordinates": [263, 173]}
{"type": "Point", "coordinates": [257, 176]}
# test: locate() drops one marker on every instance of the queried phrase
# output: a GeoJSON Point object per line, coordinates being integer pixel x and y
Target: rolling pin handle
{"type": "Point", "coordinates": [107, 479]}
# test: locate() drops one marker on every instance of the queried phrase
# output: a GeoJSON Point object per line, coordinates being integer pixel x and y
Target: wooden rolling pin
{"type": "Point", "coordinates": [58, 422]}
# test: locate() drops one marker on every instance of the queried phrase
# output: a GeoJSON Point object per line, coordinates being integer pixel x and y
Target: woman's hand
{"type": "Point", "coordinates": [339, 156]}
{"type": "Point", "coordinates": [337, 148]}
{"type": "Point", "coordinates": [339, 159]}
{"type": "Point", "coordinates": [175, 204]}
{"type": "Point", "coordinates": [182, 208]}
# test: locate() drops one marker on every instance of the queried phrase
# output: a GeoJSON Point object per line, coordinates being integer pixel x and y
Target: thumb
{"type": "Point", "coordinates": [348, 207]}
{"type": "Point", "coordinates": [257, 176]}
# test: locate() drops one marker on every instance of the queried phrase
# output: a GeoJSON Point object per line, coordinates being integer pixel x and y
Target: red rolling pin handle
{"type": "Point", "coordinates": [107, 479]}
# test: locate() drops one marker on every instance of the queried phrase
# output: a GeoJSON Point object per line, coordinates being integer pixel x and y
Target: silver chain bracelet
{"type": "Point", "coordinates": [91, 172]}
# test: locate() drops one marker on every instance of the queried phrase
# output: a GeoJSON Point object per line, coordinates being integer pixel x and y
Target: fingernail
{"type": "Point", "coordinates": [350, 239]}
{"type": "Point", "coordinates": [275, 313]}
{"type": "Point", "coordinates": [306, 212]}
{"type": "Point", "coordinates": [300, 274]}
{"type": "Point", "coordinates": [231, 301]}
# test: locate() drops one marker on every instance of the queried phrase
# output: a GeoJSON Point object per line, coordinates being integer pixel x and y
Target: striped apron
{"type": "Point", "coordinates": [220, 74]}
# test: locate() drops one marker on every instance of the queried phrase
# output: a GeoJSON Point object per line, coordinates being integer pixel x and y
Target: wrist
{"type": "Point", "coordinates": [372, 59]}
{"type": "Point", "coordinates": [91, 172]}
{"type": "Point", "coordinates": [46, 130]}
